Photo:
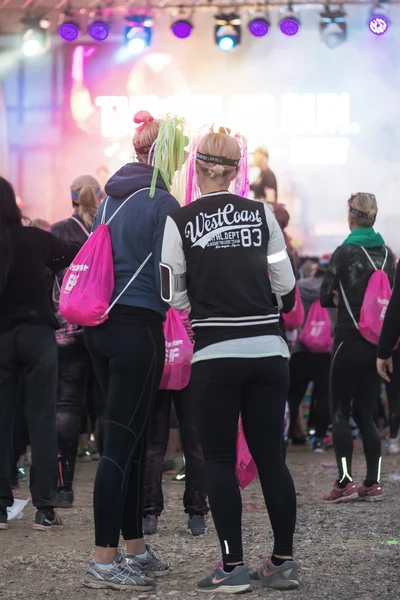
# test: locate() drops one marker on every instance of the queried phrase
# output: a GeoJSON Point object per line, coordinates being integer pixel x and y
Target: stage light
{"type": "Point", "coordinates": [99, 30]}
{"type": "Point", "coordinates": [34, 38]}
{"type": "Point", "coordinates": [379, 22]}
{"type": "Point", "coordinates": [138, 33]}
{"type": "Point", "coordinates": [333, 27]}
{"type": "Point", "coordinates": [182, 28]}
{"type": "Point", "coordinates": [228, 31]}
{"type": "Point", "coordinates": [289, 23]}
{"type": "Point", "coordinates": [259, 26]}
{"type": "Point", "coordinates": [69, 28]}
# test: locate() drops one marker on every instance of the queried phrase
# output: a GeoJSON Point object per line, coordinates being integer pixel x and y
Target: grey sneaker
{"type": "Point", "coordinates": [285, 577]}
{"type": "Point", "coordinates": [120, 576]}
{"type": "Point", "coordinates": [150, 566]}
{"type": "Point", "coordinates": [150, 523]}
{"type": "Point", "coordinates": [197, 525]}
{"type": "Point", "coordinates": [220, 582]}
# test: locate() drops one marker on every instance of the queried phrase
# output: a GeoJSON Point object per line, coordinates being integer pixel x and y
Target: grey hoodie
{"type": "Point", "coordinates": [309, 289]}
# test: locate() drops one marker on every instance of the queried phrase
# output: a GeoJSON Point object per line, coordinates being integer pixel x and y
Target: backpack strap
{"type": "Point", "coordinates": [80, 225]}
{"type": "Point", "coordinates": [372, 262]}
{"type": "Point", "coordinates": [146, 260]}
{"type": "Point", "coordinates": [347, 305]}
{"type": "Point", "coordinates": [119, 207]}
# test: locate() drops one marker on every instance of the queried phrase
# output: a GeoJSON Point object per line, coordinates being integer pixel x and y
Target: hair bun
{"type": "Point", "coordinates": [224, 130]}
{"type": "Point", "coordinates": [143, 117]}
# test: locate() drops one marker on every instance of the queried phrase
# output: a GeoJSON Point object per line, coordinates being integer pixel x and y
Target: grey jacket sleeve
{"type": "Point", "coordinates": [173, 257]}
{"type": "Point", "coordinates": [279, 265]}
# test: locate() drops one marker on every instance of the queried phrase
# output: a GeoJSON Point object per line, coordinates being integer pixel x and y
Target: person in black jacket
{"type": "Point", "coordinates": [74, 364]}
{"type": "Point", "coordinates": [28, 350]}
{"type": "Point", "coordinates": [388, 362]}
{"type": "Point", "coordinates": [354, 381]}
{"type": "Point", "coordinates": [232, 253]}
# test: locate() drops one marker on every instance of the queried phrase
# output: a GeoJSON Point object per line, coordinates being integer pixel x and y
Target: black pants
{"type": "Point", "coordinates": [195, 496]}
{"type": "Point", "coordinates": [74, 367]}
{"type": "Point", "coordinates": [256, 388]}
{"type": "Point", "coordinates": [29, 352]}
{"type": "Point", "coordinates": [306, 367]}
{"type": "Point", "coordinates": [355, 387]}
{"type": "Point", "coordinates": [128, 358]}
{"type": "Point", "coordinates": [393, 392]}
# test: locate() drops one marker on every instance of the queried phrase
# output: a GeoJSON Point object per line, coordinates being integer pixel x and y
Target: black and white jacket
{"type": "Point", "coordinates": [233, 254]}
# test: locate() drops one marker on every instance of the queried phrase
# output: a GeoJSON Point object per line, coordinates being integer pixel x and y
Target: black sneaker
{"type": "Point", "coordinates": [169, 466]}
{"type": "Point", "coordinates": [150, 523]}
{"type": "Point", "coordinates": [65, 498]}
{"type": "Point", "coordinates": [3, 518]}
{"type": "Point", "coordinates": [197, 525]}
{"type": "Point", "coordinates": [47, 520]}
{"type": "Point", "coordinates": [180, 477]}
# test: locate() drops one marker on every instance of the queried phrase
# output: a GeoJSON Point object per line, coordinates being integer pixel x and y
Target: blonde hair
{"type": "Point", "coordinates": [146, 134]}
{"type": "Point", "coordinates": [85, 191]}
{"type": "Point", "coordinates": [220, 145]}
{"type": "Point", "coordinates": [366, 205]}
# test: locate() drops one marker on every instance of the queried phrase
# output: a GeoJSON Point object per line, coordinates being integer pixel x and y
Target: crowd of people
{"type": "Point", "coordinates": [263, 327]}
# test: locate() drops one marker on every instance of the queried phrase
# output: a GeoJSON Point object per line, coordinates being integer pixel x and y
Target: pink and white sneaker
{"type": "Point", "coordinates": [374, 493]}
{"type": "Point", "coordinates": [346, 494]}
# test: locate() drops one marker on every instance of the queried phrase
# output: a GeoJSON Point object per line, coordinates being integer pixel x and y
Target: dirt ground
{"type": "Point", "coordinates": [346, 551]}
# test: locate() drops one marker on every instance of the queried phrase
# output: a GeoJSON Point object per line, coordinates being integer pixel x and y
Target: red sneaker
{"type": "Point", "coordinates": [346, 494]}
{"type": "Point", "coordinates": [374, 493]}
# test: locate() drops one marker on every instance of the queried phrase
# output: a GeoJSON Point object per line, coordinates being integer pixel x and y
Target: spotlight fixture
{"type": "Point", "coordinates": [228, 31]}
{"type": "Point", "coordinates": [34, 37]}
{"type": "Point", "coordinates": [138, 33]}
{"type": "Point", "coordinates": [99, 30]}
{"type": "Point", "coordinates": [182, 28]}
{"type": "Point", "coordinates": [333, 27]}
{"type": "Point", "coordinates": [259, 25]}
{"type": "Point", "coordinates": [68, 28]}
{"type": "Point", "coordinates": [378, 22]}
{"type": "Point", "coordinates": [289, 23]}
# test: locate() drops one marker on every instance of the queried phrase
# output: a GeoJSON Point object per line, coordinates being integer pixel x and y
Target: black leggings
{"type": "Point", "coordinates": [128, 357]}
{"type": "Point", "coordinates": [256, 388]}
{"type": "Point", "coordinates": [195, 496]}
{"type": "Point", "coordinates": [355, 387]}
{"type": "Point", "coordinates": [306, 367]}
{"type": "Point", "coordinates": [74, 367]}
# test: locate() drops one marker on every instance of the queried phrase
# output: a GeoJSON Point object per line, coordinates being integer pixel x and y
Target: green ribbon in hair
{"type": "Point", "coordinates": [168, 152]}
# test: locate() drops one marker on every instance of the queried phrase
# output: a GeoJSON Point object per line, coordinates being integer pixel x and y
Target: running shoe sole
{"type": "Point", "coordinates": [351, 498]}
{"type": "Point", "coordinates": [64, 504]}
{"type": "Point", "coordinates": [371, 498]}
{"type": "Point", "coordinates": [37, 527]}
{"type": "Point", "coordinates": [277, 584]}
{"type": "Point", "coordinates": [227, 589]}
{"type": "Point", "coordinates": [3, 526]}
{"type": "Point", "coordinates": [116, 586]}
{"type": "Point", "coordinates": [197, 534]}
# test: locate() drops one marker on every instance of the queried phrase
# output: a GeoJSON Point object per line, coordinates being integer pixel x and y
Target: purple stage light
{"type": "Point", "coordinates": [99, 31]}
{"type": "Point", "coordinates": [69, 32]}
{"type": "Point", "coordinates": [259, 27]}
{"type": "Point", "coordinates": [182, 29]}
{"type": "Point", "coordinates": [378, 24]}
{"type": "Point", "coordinates": [289, 26]}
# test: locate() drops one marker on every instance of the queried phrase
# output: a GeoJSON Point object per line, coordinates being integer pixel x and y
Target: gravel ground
{"type": "Point", "coordinates": [343, 550]}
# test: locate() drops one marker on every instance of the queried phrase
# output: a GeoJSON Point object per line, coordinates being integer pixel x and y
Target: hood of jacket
{"type": "Point", "coordinates": [310, 288]}
{"type": "Point", "coordinates": [131, 178]}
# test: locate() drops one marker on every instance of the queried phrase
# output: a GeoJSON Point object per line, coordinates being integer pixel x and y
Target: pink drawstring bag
{"type": "Point", "coordinates": [317, 331]}
{"type": "Point", "coordinates": [295, 318]}
{"type": "Point", "coordinates": [375, 303]}
{"type": "Point", "coordinates": [88, 283]}
{"type": "Point", "coordinates": [178, 353]}
{"type": "Point", "coordinates": [246, 470]}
